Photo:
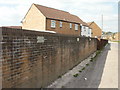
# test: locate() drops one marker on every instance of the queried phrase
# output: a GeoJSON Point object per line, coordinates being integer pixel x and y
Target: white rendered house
{"type": "Point", "coordinates": [86, 31]}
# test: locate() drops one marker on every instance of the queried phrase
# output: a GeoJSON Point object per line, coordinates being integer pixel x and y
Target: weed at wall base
{"type": "Point", "coordinates": [76, 75]}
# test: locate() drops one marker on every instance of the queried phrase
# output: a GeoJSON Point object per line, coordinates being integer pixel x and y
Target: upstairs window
{"type": "Point", "coordinates": [88, 31]}
{"type": "Point", "coordinates": [81, 26]}
{"type": "Point", "coordinates": [84, 27]}
{"type": "Point", "coordinates": [60, 24]}
{"type": "Point", "coordinates": [70, 25]}
{"type": "Point", "coordinates": [53, 23]}
{"type": "Point", "coordinates": [76, 26]}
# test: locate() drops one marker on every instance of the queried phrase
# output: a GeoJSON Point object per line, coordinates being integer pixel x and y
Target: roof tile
{"type": "Point", "coordinates": [59, 14]}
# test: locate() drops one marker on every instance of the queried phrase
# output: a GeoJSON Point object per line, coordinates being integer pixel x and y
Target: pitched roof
{"type": "Point", "coordinates": [58, 14]}
{"type": "Point", "coordinates": [89, 23]}
{"type": "Point", "coordinates": [85, 24]}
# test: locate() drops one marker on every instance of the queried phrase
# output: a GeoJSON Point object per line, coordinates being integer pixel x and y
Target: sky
{"type": "Point", "coordinates": [13, 11]}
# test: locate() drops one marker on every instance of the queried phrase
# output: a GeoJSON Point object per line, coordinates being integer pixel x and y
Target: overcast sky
{"type": "Point", "coordinates": [13, 11]}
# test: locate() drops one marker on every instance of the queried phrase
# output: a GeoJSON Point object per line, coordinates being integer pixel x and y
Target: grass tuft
{"type": "Point", "coordinates": [83, 68]}
{"type": "Point", "coordinates": [59, 76]}
{"type": "Point", "coordinates": [76, 75]}
{"type": "Point", "coordinates": [91, 60]}
{"type": "Point", "coordinates": [80, 70]}
{"type": "Point", "coordinates": [87, 64]}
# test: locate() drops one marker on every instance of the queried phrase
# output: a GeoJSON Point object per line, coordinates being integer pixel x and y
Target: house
{"type": "Point", "coordinates": [86, 31]}
{"type": "Point", "coordinates": [110, 36]}
{"type": "Point", "coordinates": [117, 36]}
{"type": "Point", "coordinates": [44, 18]}
{"type": "Point", "coordinates": [107, 37]}
{"type": "Point", "coordinates": [96, 30]}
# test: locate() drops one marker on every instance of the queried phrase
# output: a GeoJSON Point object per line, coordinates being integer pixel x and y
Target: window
{"type": "Point", "coordinates": [84, 27]}
{"type": "Point", "coordinates": [76, 26]}
{"type": "Point", "coordinates": [81, 26]}
{"type": "Point", "coordinates": [60, 24]}
{"type": "Point", "coordinates": [70, 25]}
{"type": "Point", "coordinates": [88, 31]}
{"type": "Point", "coordinates": [53, 23]}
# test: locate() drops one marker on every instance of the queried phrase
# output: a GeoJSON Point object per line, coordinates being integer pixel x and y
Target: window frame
{"type": "Point", "coordinates": [84, 27]}
{"type": "Point", "coordinates": [76, 27]}
{"type": "Point", "coordinates": [61, 24]}
{"type": "Point", "coordinates": [53, 24]}
{"type": "Point", "coordinates": [88, 31]}
{"type": "Point", "coordinates": [70, 25]}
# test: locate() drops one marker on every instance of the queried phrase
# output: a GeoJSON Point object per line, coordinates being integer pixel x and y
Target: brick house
{"type": "Point", "coordinates": [96, 30]}
{"type": "Point", "coordinates": [44, 18]}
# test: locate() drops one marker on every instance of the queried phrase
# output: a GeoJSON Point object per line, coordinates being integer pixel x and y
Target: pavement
{"type": "Point", "coordinates": [110, 74]}
{"type": "Point", "coordinates": [101, 73]}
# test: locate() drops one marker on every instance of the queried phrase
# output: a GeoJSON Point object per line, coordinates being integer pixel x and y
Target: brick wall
{"type": "Point", "coordinates": [34, 59]}
{"type": "Point", "coordinates": [65, 29]}
{"type": "Point", "coordinates": [101, 43]}
{"type": "Point", "coordinates": [0, 59]}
